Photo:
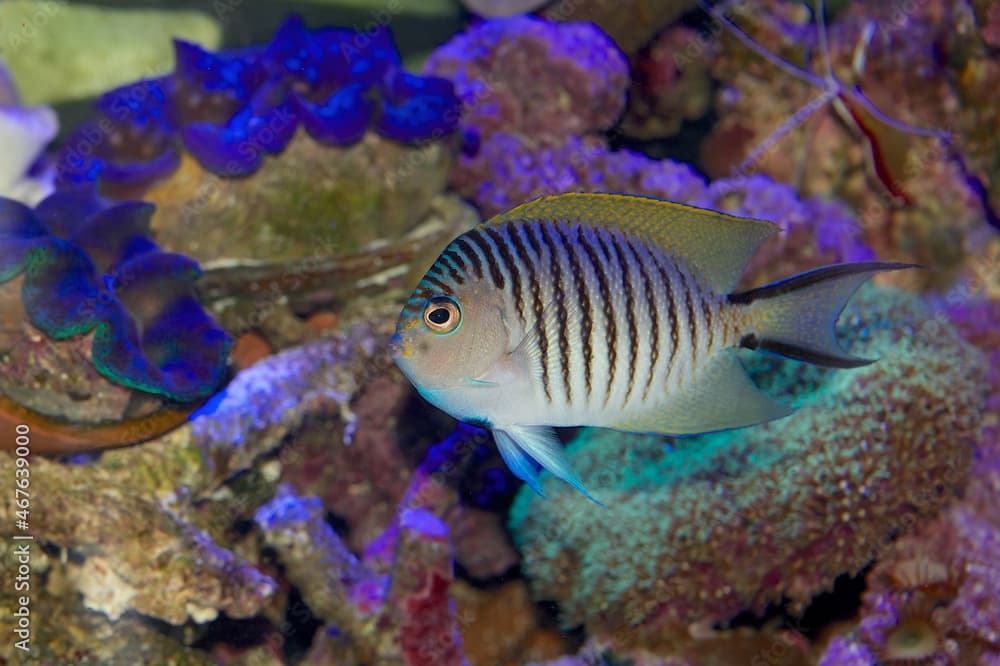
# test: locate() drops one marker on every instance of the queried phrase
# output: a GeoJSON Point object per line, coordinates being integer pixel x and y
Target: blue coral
{"type": "Point", "coordinates": [89, 267]}
{"type": "Point", "coordinates": [233, 108]}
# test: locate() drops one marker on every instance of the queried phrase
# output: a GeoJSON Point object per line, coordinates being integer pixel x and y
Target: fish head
{"type": "Point", "coordinates": [447, 343]}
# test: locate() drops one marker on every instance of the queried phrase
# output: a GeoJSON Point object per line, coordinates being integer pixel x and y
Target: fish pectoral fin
{"type": "Point", "coordinates": [520, 445]}
{"type": "Point", "coordinates": [480, 382]}
{"type": "Point", "coordinates": [720, 397]}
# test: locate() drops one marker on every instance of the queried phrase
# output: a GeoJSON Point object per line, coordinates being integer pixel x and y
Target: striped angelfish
{"type": "Point", "coordinates": [611, 311]}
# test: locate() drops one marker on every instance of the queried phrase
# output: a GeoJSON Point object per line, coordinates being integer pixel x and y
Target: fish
{"type": "Point", "coordinates": [611, 311]}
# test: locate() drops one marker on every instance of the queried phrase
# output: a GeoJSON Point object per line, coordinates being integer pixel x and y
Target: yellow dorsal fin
{"type": "Point", "coordinates": [715, 244]}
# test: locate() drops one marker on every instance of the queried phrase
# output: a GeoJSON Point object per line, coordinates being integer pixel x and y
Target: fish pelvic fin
{"type": "Point", "coordinates": [521, 446]}
{"type": "Point", "coordinates": [795, 317]}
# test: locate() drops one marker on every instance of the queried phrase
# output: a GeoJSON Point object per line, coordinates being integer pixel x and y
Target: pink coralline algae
{"type": "Point", "coordinates": [527, 85]}
{"type": "Point", "coordinates": [534, 77]}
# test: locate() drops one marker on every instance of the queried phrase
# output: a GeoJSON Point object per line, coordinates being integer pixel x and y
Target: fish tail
{"type": "Point", "coordinates": [795, 317]}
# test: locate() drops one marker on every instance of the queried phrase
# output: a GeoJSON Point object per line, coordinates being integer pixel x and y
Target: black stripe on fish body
{"type": "Point", "coordinates": [706, 311]}
{"type": "Point", "coordinates": [523, 260]}
{"type": "Point", "coordinates": [441, 286]}
{"type": "Point", "coordinates": [448, 261]}
{"type": "Point", "coordinates": [668, 291]}
{"type": "Point", "coordinates": [538, 306]}
{"type": "Point", "coordinates": [642, 257]}
{"type": "Point", "coordinates": [576, 252]}
{"type": "Point", "coordinates": [613, 260]}
{"type": "Point", "coordinates": [502, 240]}
{"type": "Point", "coordinates": [628, 263]}
{"type": "Point", "coordinates": [551, 234]}
{"type": "Point", "coordinates": [470, 255]}
{"type": "Point", "coordinates": [687, 289]}
{"type": "Point", "coordinates": [477, 238]}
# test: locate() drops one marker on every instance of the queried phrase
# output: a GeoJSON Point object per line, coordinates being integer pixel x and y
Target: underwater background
{"type": "Point", "coordinates": [212, 212]}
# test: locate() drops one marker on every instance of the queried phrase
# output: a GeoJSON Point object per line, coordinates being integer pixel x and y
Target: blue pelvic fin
{"type": "Point", "coordinates": [520, 445]}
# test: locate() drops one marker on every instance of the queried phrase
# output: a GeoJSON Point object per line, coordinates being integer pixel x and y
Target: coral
{"type": "Point", "coordinates": [65, 632]}
{"type": "Point", "coordinates": [631, 24]}
{"type": "Point", "coordinates": [932, 595]}
{"type": "Point", "coordinates": [89, 266]}
{"type": "Point", "coordinates": [529, 86]}
{"type": "Point", "coordinates": [500, 626]}
{"type": "Point", "coordinates": [814, 230]}
{"type": "Point", "coordinates": [231, 109]}
{"type": "Point", "coordinates": [73, 51]}
{"type": "Point", "coordinates": [527, 149]}
{"type": "Point", "coordinates": [736, 647]}
{"type": "Point", "coordinates": [151, 529]}
{"type": "Point", "coordinates": [111, 517]}
{"type": "Point", "coordinates": [315, 200]}
{"type": "Point", "coordinates": [533, 77]}
{"type": "Point", "coordinates": [249, 292]}
{"type": "Point", "coordinates": [917, 195]}
{"type": "Point", "coordinates": [24, 134]}
{"type": "Point", "coordinates": [406, 616]}
{"type": "Point", "coordinates": [668, 86]}
{"type": "Point", "coordinates": [746, 517]}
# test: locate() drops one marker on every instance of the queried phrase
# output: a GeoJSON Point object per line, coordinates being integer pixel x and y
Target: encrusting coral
{"type": "Point", "coordinates": [746, 517]}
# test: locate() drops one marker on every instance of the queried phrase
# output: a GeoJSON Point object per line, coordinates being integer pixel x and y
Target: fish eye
{"type": "Point", "coordinates": [442, 314]}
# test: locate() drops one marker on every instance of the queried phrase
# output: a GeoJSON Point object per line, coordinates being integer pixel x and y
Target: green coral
{"type": "Point", "coordinates": [698, 529]}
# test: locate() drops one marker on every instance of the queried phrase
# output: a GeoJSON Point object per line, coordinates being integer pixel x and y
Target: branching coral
{"type": "Point", "coordinates": [715, 525]}
{"type": "Point", "coordinates": [231, 109]}
{"type": "Point", "coordinates": [89, 267]}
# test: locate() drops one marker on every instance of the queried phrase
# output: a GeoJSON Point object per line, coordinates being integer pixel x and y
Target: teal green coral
{"type": "Point", "coordinates": [698, 529]}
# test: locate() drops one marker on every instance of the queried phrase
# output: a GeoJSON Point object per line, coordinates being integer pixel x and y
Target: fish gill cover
{"type": "Point", "coordinates": [232, 108]}
{"type": "Point", "coordinates": [90, 266]}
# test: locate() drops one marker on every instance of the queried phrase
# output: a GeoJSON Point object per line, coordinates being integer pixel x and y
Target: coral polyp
{"type": "Point", "coordinates": [233, 108]}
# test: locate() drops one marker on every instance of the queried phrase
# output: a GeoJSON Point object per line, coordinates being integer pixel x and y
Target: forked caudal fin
{"type": "Point", "coordinates": [795, 317]}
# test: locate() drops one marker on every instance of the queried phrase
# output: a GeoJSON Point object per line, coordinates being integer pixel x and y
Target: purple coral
{"type": "Point", "coordinates": [410, 608]}
{"type": "Point", "coordinates": [89, 266]}
{"type": "Point", "coordinates": [233, 108]}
